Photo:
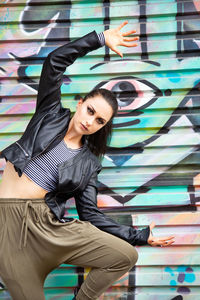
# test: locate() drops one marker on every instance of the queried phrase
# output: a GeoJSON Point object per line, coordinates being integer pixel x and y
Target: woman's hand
{"type": "Point", "coordinates": [114, 38]}
{"type": "Point", "coordinates": [160, 241]}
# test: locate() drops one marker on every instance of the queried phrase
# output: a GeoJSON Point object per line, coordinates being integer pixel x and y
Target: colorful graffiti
{"type": "Point", "coordinates": [151, 171]}
{"type": "Point", "coordinates": [185, 274]}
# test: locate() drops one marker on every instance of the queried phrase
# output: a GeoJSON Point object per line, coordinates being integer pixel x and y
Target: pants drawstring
{"type": "Point", "coordinates": [25, 223]}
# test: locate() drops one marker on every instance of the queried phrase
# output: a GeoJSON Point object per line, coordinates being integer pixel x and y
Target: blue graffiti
{"type": "Point", "coordinates": [184, 274]}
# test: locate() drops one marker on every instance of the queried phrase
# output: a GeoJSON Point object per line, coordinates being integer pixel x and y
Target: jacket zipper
{"type": "Point", "coordinates": [26, 154]}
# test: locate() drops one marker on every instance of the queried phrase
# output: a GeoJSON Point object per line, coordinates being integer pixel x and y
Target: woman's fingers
{"type": "Point", "coordinates": [166, 238]}
{"type": "Point", "coordinates": [126, 41]}
{"type": "Point", "coordinates": [128, 32]}
{"type": "Point", "coordinates": [152, 225]}
{"type": "Point", "coordinates": [161, 242]}
{"type": "Point", "coordinates": [167, 243]}
{"type": "Point", "coordinates": [114, 38]}
{"type": "Point", "coordinates": [128, 45]}
{"type": "Point", "coordinates": [122, 25]}
{"type": "Point", "coordinates": [131, 39]}
{"type": "Point", "coordinates": [117, 51]}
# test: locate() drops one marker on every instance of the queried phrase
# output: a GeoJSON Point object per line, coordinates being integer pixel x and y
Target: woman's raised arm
{"type": "Point", "coordinates": [49, 94]}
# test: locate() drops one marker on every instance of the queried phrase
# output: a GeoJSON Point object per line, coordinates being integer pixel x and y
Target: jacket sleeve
{"type": "Point", "coordinates": [55, 64]}
{"type": "Point", "coordinates": [86, 204]}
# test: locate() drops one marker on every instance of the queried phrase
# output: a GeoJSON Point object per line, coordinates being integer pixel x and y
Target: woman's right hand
{"type": "Point", "coordinates": [159, 241]}
{"type": "Point", "coordinates": [114, 37]}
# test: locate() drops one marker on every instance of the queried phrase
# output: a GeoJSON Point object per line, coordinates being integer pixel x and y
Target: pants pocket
{"type": "Point", "coordinates": [54, 221]}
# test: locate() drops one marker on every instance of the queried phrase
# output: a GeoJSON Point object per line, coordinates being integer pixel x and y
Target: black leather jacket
{"type": "Point", "coordinates": [47, 127]}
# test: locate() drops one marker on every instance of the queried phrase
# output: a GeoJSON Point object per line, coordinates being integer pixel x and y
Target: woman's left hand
{"type": "Point", "coordinates": [159, 241]}
{"type": "Point", "coordinates": [114, 37]}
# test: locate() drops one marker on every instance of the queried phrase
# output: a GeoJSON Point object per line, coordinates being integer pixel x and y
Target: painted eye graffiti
{"type": "Point", "coordinates": [132, 93]}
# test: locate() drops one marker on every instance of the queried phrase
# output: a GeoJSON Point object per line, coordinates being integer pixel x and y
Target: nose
{"type": "Point", "coordinates": [89, 121]}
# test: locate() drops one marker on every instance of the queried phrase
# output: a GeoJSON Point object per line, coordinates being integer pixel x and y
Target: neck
{"type": "Point", "coordinates": [72, 138]}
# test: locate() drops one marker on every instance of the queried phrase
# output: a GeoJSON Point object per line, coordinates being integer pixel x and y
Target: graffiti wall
{"type": "Point", "coordinates": [151, 171]}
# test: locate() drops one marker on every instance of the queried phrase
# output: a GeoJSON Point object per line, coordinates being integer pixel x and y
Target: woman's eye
{"type": "Point", "coordinates": [89, 110]}
{"type": "Point", "coordinates": [99, 121]}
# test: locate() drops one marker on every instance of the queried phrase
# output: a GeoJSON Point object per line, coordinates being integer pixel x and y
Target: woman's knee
{"type": "Point", "coordinates": [126, 257]}
{"type": "Point", "coordinates": [131, 253]}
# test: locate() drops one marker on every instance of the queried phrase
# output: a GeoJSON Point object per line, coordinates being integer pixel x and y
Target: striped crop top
{"type": "Point", "coordinates": [43, 169]}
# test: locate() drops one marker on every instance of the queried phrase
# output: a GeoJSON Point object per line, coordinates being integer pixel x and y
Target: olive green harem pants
{"type": "Point", "coordinates": [33, 243]}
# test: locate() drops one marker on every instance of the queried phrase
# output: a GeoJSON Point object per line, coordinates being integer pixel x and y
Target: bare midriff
{"type": "Point", "coordinates": [13, 186]}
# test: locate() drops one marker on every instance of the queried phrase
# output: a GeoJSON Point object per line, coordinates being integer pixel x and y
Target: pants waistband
{"type": "Point", "coordinates": [20, 200]}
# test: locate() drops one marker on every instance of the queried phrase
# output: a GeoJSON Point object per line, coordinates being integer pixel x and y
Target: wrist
{"type": "Point", "coordinates": [101, 38]}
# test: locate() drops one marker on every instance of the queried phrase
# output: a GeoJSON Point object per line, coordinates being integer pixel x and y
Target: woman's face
{"type": "Point", "coordinates": [91, 115]}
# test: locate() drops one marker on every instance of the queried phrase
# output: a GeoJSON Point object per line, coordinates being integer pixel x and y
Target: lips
{"type": "Point", "coordinates": [84, 127]}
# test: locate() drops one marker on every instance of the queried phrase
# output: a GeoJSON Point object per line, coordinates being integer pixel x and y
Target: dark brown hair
{"type": "Point", "coordinates": [97, 142]}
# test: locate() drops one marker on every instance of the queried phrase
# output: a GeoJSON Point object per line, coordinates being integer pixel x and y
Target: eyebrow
{"type": "Point", "coordinates": [95, 112]}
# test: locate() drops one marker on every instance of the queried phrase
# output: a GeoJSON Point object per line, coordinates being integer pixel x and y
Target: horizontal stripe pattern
{"type": "Point", "coordinates": [43, 169]}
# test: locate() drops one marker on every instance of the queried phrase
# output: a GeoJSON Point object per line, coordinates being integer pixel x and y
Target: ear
{"type": "Point", "coordinates": [80, 102]}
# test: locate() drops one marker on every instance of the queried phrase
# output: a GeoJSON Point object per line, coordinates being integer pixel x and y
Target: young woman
{"type": "Point", "coordinates": [56, 159]}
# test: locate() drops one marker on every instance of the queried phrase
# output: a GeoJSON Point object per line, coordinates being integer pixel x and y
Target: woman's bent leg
{"type": "Point", "coordinates": [109, 257]}
{"type": "Point", "coordinates": [33, 243]}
